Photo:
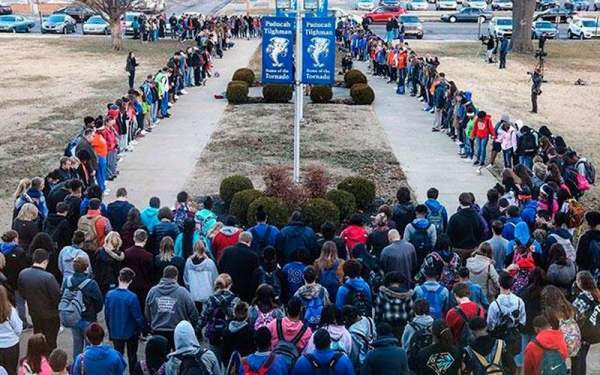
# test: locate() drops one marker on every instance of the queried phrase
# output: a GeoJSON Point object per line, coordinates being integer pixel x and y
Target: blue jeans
{"type": "Point", "coordinates": [164, 104]}
{"type": "Point", "coordinates": [101, 172]}
{"type": "Point", "coordinates": [468, 145]}
{"type": "Point", "coordinates": [389, 36]}
{"type": "Point", "coordinates": [188, 76]}
{"type": "Point", "coordinates": [79, 337]}
{"type": "Point", "coordinates": [525, 339]}
{"type": "Point", "coordinates": [481, 149]}
{"type": "Point", "coordinates": [507, 158]}
{"type": "Point", "coordinates": [401, 75]}
{"type": "Point", "coordinates": [526, 160]}
{"type": "Point", "coordinates": [154, 112]}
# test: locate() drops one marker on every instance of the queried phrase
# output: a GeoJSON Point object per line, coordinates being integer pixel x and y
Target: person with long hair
{"type": "Point", "coordinates": [585, 302]}
{"type": "Point", "coordinates": [166, 257]}
{"type": "Point", "coordinates": [330, 268]}
{"type": "Point", "coordinates": [264, 309]}
{"type": "Point", "coordinates": [333, 322]}
{"type": "Point", "coordinates": [20, 196]}
{"type": "Point", "coordinates": [132, 223]}
{"type": "Point", "coordinates": [186, 240]}
{"type": "Point", "coordinates": [35, 361]}
{"type": "Point", "coordinates": [10, 330]}
{"type": "Point", "coordinates": [561, 315]}
{"type": "Point", "coordinates": [107, 262]}
{"type": "Point", "coordinates": [483, 271]}
{"type": "Point", "coordinates": [27, 224]}
{"type": "Point", "coordinates": [561, 272]}
{"type": "Point", "coordinates": [441, 357]}
{"type": "Point", "coordinates": [533, 307]}
{"type": "Point", "coordinates": [199, 275]}
{"type": "Point", "coordinates": [547, 200]}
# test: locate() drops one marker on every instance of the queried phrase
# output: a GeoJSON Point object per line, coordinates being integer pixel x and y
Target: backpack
{"type": "Point", "coordinates": [566, 244]}
{"type": "Point", "coordinates": [88, 226]}
{"type": "Point", "coordinates": [572, 335]}
{"type": "Point", "coordinates": [266, 366]}
{"type": "Point", "coordinates": [594, 253]}
{"type": "Point", "coordinates": [261, 241]}
{"type": "Point", "coordinates": [466, 335]}
{"type": "Point", "coordinates": [71, 304]}
{"type": "Point", "coordinates": [179, 215]}
{"type": "Point", "coordinates": [193, 365]}
{"type": "Point", "coordinates": [528, 143]}
{"type": "Point", "coordinates": [590, 171]}
{"type": "Point", "coordinates": [575, 214]}
{"type": "Point", "coordinates": [360, 300]}
{"type": "Point", "coordinates": [433, 296]}
{"type": "Point", "coordinates": [361, 343]}
{"type": "Point", "coordinates": [422, 338]}
{"type": "Point", "coordinates": [552, 362]}
{"type": "Point", "coordinates": [376, 280]}
{"type": "Point", "coordinates": [53, 232]}
{"type": "Point", "coordinates": [330, 281]}
{"type": "Point", "coordinates": [421, 241]}
{"type": "Point", "coordinates": [490, 364]}
{"type": "Point", "coordinates": [270, 278]}
{"type": "Point", "coordinates": [520, 282]}
{"type": "Point", "coordinates": [338, 345]}
{"type": "Point", "coordinates": [313, 308]}
{"type": "Point", "coordinates": [218, 323]}
{"type": "Point", "coordinates": [327, 368]}
{"type": "Point", "coordinates": [436, 219]}
{"type": "Point", "coordinates": [287, 349]}
{"type": "Point", "coordinates": [449, 275]}
{"type": "Point", "coordinates": [589, 324]}
{"type": "Point", "coordinates": [508, 329]}
{"type": "Point", "coordinates": [71, 146]}
{"type": "Point", "coordinates": [146, 370]}
{"type": "Point", "coordinates": [263, 319]}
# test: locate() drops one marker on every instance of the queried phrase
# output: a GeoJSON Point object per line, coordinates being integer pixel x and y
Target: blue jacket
{"type": "Point", "coordinates": [92, 297]}
{"type": "Point", "coordinates": [438, 95]}
{"type": "Point", "coordinates": [117, 214]}
{"type": "Point", "coordinates": [523, 235]}
{"type": "Point", "coordinates": [123, 314]}
{"type": "Point", "coordinates": [386, 358]}
{"type": "Point", "coordinates": [528, 213]}
{"type": "Point", "coordinates": [358, 283]}
{"type": "Point", "coordinates": [342, 367]}
{"type": "Point", "coordinates": [509, 227]}
{"type": "Point", "coordinates": [504, 46]}
{"type": "Point", "coordinates": [434, 205]}
{"type": "Point", "coordinates": [292, 237]}
{"type": "Point", "coordinates": [256, 360]}
{"type": "Point", "coordinates": [261, 230]}
{"type": "Point", "coordinates": [150, 218]}
{"type": "Point", "coordinates": [85, 203]}
{"type": "Point", "coordinates": [99, 360]}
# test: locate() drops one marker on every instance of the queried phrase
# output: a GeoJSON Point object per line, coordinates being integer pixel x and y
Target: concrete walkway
{"type": "Point", "coordinates": [162, 162]}
{"type": "Point", "coordinates": [428, 159]}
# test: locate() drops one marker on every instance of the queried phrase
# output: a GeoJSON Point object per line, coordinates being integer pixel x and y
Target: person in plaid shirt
{"type": "Point", "coordinates": [394, 303]}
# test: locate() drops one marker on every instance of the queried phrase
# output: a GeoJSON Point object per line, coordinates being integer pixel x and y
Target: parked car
{"type": "Point", "coordinates": [342, 15]}
{"type": "Point", "coordinates": [564, 15]}
{"type": "Point", "coordinates": [597, 5]}
{"type": "Point", "coordinates": [365, 5]}
{"type": "Point", "coordinates": [59, 23]}
{"type": "Point", "coordinates": [389, 3]}
{"type": "Point", "coordinates": [577, 5]}
{"type": "Point", "coordinates": [542, 5]}
{"type": "Point", "coordinates": [149, 6]}
{"type": "Point", "coordinates": [96, 25]}
{"type": "Point", "coordinates": [501, 26]}
{"type": "Point", "coordinates": [543, 27]}
{"type": "Point", "coordinates": [382, 14]}
{"type": "Point", "coordinates": [583, 28]}
{"type": "Point", "coordinates": [417, 5]}
{"type": "Point", "coordinates": [467, 15]}
{"type": "Point", "coordinates": [502, 5]}
{"type": "Point", "coordinates": [446, 5]}
{"type": "Point", "coordinates": [5, 9]}
{"type": "Point", "coordinates": [479, 4]}
{"type": "Point", "coordinates": [79, 14]}
{"type": "Point", "coordinates": [129, 17]}
{"type": "Point", "coordinates": [412, 25]}
{"type": "Point", "coordinates": [16, 24]}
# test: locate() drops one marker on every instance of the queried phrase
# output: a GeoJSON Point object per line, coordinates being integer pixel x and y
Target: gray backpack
{"type": "Point", "coordinates": [71, 304]}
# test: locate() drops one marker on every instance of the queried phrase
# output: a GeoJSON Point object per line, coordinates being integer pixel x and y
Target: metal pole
{"type": "Point", "coordinates": [299, 93]}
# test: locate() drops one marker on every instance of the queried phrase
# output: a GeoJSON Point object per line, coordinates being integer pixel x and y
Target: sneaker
{"type": "Point", "coordinates": [107, 190]}
{"type": "Point", "coordinates": [468, 160]}
{"type": "Point", "coordinates": [106, 194]}
{"type": "Point", "coordinates": [462, 156]}
{"type": "Point", "coordinates": [152, 126]}
{"type": "Point", "coordinates": [476, 162]}
{"type": "Point", "coordinates": [434, 129]}
{"type": "Point", "coordinates": [184, 92]}
{"type": "Point", "coordinates": [421, 99]}
{"type": "Point", "coordinates": [61, 329]}
{"type": "Point", "coordinates": [156, 122]}
{"type": "Point", "coordinates": [143, 133]}
{"type": "Point", "coordinates": [478, 171]}
{"type": "Point", "coordinates": [427, 109]}
{"type": "Point", "coordinates": [176, 97]}
{"type": "Point", "coordinates": [432, 110]}
{"type": "Point", "coordinates": [489, 166]}
{"type": "Point", "coordinates": [169, 105]}
{"type": "Point", "coordinates": [167, 115]}
{"type": "Point", "coordinates": [134, 143]}
{"type": "Point", "coordinates": [120, 160]}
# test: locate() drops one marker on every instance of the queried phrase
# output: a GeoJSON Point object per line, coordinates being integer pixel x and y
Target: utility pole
{"type": "Point", "coordinates": [299, 102]}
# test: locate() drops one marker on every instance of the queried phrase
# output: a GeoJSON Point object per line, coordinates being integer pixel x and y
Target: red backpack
{"type": "Point", "coordinates": [266, 366]}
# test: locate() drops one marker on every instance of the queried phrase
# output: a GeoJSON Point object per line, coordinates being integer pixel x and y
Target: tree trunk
{"type": "Point", "coordinates": [115, 35]}
{"type": "Point", "coordinates": [522, 19]}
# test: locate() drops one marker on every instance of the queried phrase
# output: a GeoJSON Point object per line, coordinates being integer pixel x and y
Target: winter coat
{"type": "Point", "coordinates": [548, 338]}
{"type": "Point", "coordinates": [227, 236]}
{"type": "Point", "coordinates": [117, 212]}
{"type": "Point", "coordinates": [239, 262]}
{"type": "Point", "coordinates": [394, 305]}
{"type": "Point", "coordinates": [27, 229]}
{"type": "Point", "coordinates": [199, 277]}
{"type": "Point", "coordinates": [353, 235]}
{"type": "Point", "coordinates": [293, 236]}
{"type": "Point", "coordinates": [123, 314]}
{"type": "Point", "coordinates": [167, 304]}
{"type": "Point", "coordinates": [99, 360]}
{"type": "Point", "coordinates": [482, 272]}
{"type": "Point", "coordinates": [60, 226]}
{"type": "Point", "coordinates": [238, 336]}
{"type": "Point", "coordinates": [386, 358]}
{"type": "Point", "coordinates": [161, 230]}
{"type": "Point", "coordinates": [465, 229]}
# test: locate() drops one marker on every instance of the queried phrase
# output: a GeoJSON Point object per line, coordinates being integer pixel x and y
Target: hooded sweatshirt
{"type": "Point", "coordinates": [465, 229]}
{"type": "Point", "coordinates": [386, 358]}
{"type": "Point", "coordinates": [503, 305]}
{"type": "Point", "coordinates": [549, 339]}
{"type": "Point", "coordinates": [483, 128]}
{"type": "Point", "coordinates": [523, 237]}
{"type": "Point", "coordinates": [420, 223]}
{"type": "Point", "coordinates": [168, 304]}
{"type": "Point", "coordinates": [199, 277]}
{"type": "Point", "coordinates": [409, 331]}
{"type": "Point", "coordinates": [149, 218]}
{"type": "Point", "coordinates": [67, 256]}
{"type": "Point", "coordinates": [100, 360]}
{"type": "Point", "coordinates": [256, 360]}
{"type": "Point", "coordinates": [308, 292]}
{"type": "Point", "coordinates": [528, 212]}
{"type": "Point", "coordinates": [353, 235]}
{"type": "Point", "coordinates": [339, 337]}
{"type": "Point", "coordinates": [483, 273]}
{"type": "Point", "coordinates": [435, 206]}
{"type": "Point", "coordinates": [290, 329]}
{"type": "Point", "coordinates": [394, 305]}
{"type": "Point", "coordinates": [186, 344]}
{"type": "Point", "coordinates": [227, 236]}
{"type": "Point", "coordinates": [344, 292]}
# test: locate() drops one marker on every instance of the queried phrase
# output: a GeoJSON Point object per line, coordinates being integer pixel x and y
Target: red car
{"type": "Point", "coordinates": [5, 9]}
{"type": "Point", "coordinates": [383, 14]}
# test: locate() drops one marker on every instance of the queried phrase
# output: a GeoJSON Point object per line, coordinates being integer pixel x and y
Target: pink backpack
{"type": "Point", "coordinates": [263, 319]}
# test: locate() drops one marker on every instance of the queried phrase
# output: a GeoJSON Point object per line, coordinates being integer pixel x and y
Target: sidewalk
{"type": "Point", "coordinates": [164, 159]}
{"type": "Point", "coordinates": [428, 159]}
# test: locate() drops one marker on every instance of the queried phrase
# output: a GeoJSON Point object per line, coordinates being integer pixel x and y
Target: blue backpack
{"type": "Point", "coordinates": [70, 149]}
{"type": "Point", "coordinates": [434, 297]}
{"type": "Point", "coordinates": [329, 280]}
{"type": "Point", "coordinates": [314, 307]}
{"type": "Point", "coordinates": [552, 362]}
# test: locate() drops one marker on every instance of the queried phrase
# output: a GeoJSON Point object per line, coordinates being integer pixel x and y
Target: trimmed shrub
{"type": "Point", "coordinates": [317, 211]}
{"type": "Point", "coordinates": [231, 185]}
{"type": "Point", "coordinates": [241, 201]}
{"type": "Point", "coordinates": [344, 200]}
{"type": "Point", "coordinates": [278, 212]}
{"type": "Point", "coordinates": [362, 94]}
{"type": "Point", "coordinates": [362, 189]}
{"type": "Point", "coordinates": [279, 184]}
{"type": "Point", "coordinates": [277, 93]}
{"type": "Point", "coordinates": [354, 76]}
{"type": "Point", "coordinates": [315, 181]}
{"type": "Point", "coordinates": [237, 92]}
{"type": "Point", "coordinates": [321, 94]}
{"type": "Point", "coordinates": [244, 74]}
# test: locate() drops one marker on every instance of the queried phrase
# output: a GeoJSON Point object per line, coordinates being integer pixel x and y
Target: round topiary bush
{"type": "Point", "coordinates": [321, 94]}
{"type": "Point", "coordinates": [231, 185]}
{"type": "Point", "coordinates": [237, 92]}
{"type": "Point", "coordinates": [354, 76]}
{"type": "Point", "coordinates": [278, 213]}
{"type": "Point", "coordinates": [240, 203]}
{"type": "Point", "coordinates": [344, 200]}
{"type": "Point", "coordinates": [277, 93]}
{"type": "Point", "coordinates": [362, 94]}
{"type": "Point", "coordinates": [362, 189]}
{"type": "Point", "coordinates": [244, 74]}
{"type": "Point", "coordinates": [317, 211]}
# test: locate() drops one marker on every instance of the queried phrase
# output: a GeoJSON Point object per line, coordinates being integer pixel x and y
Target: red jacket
{"type": "Point", "coordinates": [227, 236]}
{"type": "Point", "coordinates": [353, 235]}
{"type": "Point", "coordinates": [456, 323]}
{"type": "Point", "coordinates": [550, 339]}
{"type": "Point", "coordinates": [483, 128]}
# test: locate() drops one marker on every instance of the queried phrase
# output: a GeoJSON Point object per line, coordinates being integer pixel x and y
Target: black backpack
{"type": "Point", "coordinates": [270, 278]}
{"type": "Point", "coordinates": [261, 241]}
{"type": "Point", "coordinates": [466, 335]}
{"type": "Point", "coordinates": [193, 365]}
{"type": "Point", "coordinates": [326, 368]}
{"type": "Point", "coordinates": [422, 338]}
{"type": "Point", "coordinates": [360, 300]}
{"type": "Point", "coordinates": [528, 143]}
{"type": "Point", "coordinates": [421, 241]}
{"type": "Point", "coordinates": [589, 322]}
{"type": "Point", "coordinates": [509, 329]}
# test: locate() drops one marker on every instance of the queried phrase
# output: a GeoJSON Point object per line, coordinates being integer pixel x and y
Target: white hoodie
{"type": "Point", "coordinates": [200, 278]}
{"type": "Point", "coordinates": [10, 330]}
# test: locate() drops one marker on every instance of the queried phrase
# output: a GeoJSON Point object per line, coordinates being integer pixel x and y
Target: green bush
{"type": "Point", "coordinates": [344, 200]}
{"type": "Point", "coordinates": [244, 74]}
{"type": "Point", "coordinates": [362, 189]}
{"type": "Point", "coordinates": [317, 211]}
{"type": "Point", "coordinates": [354, 76]}
{"type": "Point", "coordinates": [277, 93]}
{"type": "Point", "coordinates": [237, 92]}
{"type": "Point", "coordinates": [278, 213]}
{"type": "Point", "coordinates": [231, 185]}
{"type": "Point", "coordinates": [362, 94]}
{"type": "Point", "coordinates": [241, 201]}
{"type": "Point", "coordinates": [321, 94]}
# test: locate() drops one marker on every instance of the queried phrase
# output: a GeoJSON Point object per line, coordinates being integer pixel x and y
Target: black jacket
{"type": "Point", "coordinates": [41, 291]}
{"type": "Point", "coordinates": [484, 346]}
{"type": "Point", "coordinates": [162, 230]}
{"type": "Point", "coordinates": [83, 144]}
{"type": "Point", "coordinates": [584, 258]}
{"type": "Point", "coordinates": [239, 261]}
{"type": "Point", "coordinates": [240, 339]}
{"type": "Point", "coordinates": [59, 228]}
{"type": "Point", "coordinates": [16, 261]}
{"type": "Point", "coordinates": [27, 230]}
{"type": "Point", "coordinates": [106, 265]}
{"type": "Point", "coordinates": [160, 265]}
{"type": "Point", "coordinates": [465, 229]}
{"type": "Point", "coordinates": [116, 213]}
{"type": "Point", "coordinates": [58, 194]}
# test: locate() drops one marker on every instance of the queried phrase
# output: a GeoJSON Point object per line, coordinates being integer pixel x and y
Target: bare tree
{"type": "Point", "coordinates": [112, 11]}
{"type": "Point", "coordinates": [522, 17]}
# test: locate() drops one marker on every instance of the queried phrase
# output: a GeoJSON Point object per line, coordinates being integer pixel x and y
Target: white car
{"type": "Point", "coordinates": [583, 28]}
{"type": "Point", "coordinates": [96, 25]}
{"type": "Point", "coordinates": [502, 5]}
{"type": "Point", "coordinates": [365, 5]}
{"type": "Point", "coordinates": [341, 14]}
{"type": "Point", "coordinates": [129, 17]}
{"type": "Point", "coordinates": [500, 26]}
{"type": "Point", "coordinates": [597, 5]}
{"type": "Point", "coordinates": [417, 5]}
{"type": "Point", "coordinates": [446, 5]}
{"type": "Point", "coordinates": [479, 4]}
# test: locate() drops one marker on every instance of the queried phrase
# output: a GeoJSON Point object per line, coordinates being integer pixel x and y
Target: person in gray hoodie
{"type": "Point", "coordinates": [167, 304]}
{"type": "Point", "coordinates": [363, 333]}
{"type": "Point", "coordinates": [188, 350]}
{"type": "Point", "coordinates": [199, 275]}
{"type": "Point", "coordinates": [421, 233]}
{"type": "Point", "coordinates": [69, 253]}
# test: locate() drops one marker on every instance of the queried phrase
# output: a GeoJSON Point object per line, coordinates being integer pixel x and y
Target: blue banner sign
{"type": "Point", "coordinates": [277, 50]}
{"type": "Point", "coordinates": [318, 51]}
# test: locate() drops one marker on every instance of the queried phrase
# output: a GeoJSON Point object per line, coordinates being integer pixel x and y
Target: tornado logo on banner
{"type": "Point", "coordinates": [318, 51]}
{"type": "Point", "coordinates": [277, 50]}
